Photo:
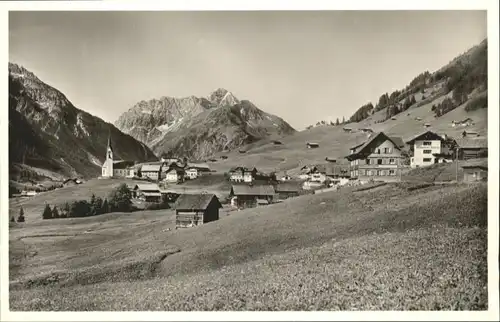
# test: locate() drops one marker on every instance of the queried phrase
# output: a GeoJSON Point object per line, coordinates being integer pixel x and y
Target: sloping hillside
{"type": "Point", "coordinates": [47, 132]}
{"type": "Point", "coordinates": [382, 249]}
{"type": "Point", "coordinates": [465, 98]}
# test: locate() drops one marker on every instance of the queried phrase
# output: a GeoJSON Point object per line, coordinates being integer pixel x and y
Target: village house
{"type": "Point", "coordinates": [243, 196]}
{"type": "Point", "coordinates": [379, 158]}
{"type": "Point", "coordinates": [472, 148]}
{"type": "Point", "coordinates": [366, 130]}
{"type": "Point", "coordinates": [149, 192]}
{"type": "Point", "coordinates": [332, 160]}
{"type": "Point", "coordinates": [312, 145]}
{"type": "Point", "coordinates": [196, 209]}
{"type": "Point", "coordinates": [347, 129]}
{"type": "Point", "coordinates": [151, 171]}
{"type": "Point", "coordinates": [425, 147]}
{"type": "Point", "coordinates": [475, 171]}
{"type": "Point", "coordinates": [285, 190]}
{"type": "Point", "coordinates": [195, 170]}
{"type": "Point", "coordinates": [174, 175]}
{"type": "Point", "coordinates": [242, 174]}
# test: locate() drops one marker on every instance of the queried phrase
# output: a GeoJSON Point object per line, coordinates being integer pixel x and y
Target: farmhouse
{"type": "Point", "coordinates": [151, 171]}
{"type": "Point", "coordinates": [196, 209]}
{"type": "Point", "coordinates": [472, 148]}
{"type": "Point", "coordinates": [377, 159]}
{"type": "Point", "coordinates": [288, 189]}
{"type": "Point", "coordinates": [366, 130]}
{"type": "Point", "coordinates": [149, 192]}
{"type": "Point", "coordinates": [312, 145]}
{"type": "Point", "coordinates": [476, 171]}
{"type": "Point", "coordinates": [467, 122]}
{"type": "Point", "coordinates": [242, 174]}
{"type": "Point", "coordinates": [468, 134]}
{"type": "Point", "coordinates": [347, 129]}
{"type": "Point", "coordinates": [247, 195]}
{"type": "Point", "coordinates": [332, 160]}
{"type": "Point", "coordinates": [71, 182]}
{"type": "Point", "coordinates": [425, 146]}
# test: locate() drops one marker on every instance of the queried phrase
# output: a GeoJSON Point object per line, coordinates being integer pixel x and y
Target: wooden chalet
{"type": "Point", "coordinates": [151, 171]}
{"type": "Point", "coordinates": [196, 209]}
{"type": "Point", "coordinates": [377, 159]}
{"type": "Point", "coordinates": [247, 195]}
{"type": "Point", "coordinates": [242, 174]}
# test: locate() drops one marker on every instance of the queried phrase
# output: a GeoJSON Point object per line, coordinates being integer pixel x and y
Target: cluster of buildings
{"type": "Point", "coordinates": [167, 170]}
{"type": "Point", "coordinates": [380, 158]}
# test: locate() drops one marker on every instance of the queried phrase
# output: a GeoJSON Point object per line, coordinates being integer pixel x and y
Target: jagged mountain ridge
{"type": "Point", "coordinates": [47, 131]}
{"type": "Point", "coordinates": [199, 127]}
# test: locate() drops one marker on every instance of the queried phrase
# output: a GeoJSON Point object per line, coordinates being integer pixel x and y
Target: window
{"type": "Point", "coordinates": [427, 151]}
{"type": "Point", "coordinates": [392, 172]}
{"type": "Point", "coordinates": [379, 161]}
{"type": "Point", "coordinates": [387, 150]}
{"type": "Point", "coordinates": [379, 172]}
{"type": "Point", "coordinates": [378, 151]}
{"type": "Point", "coordinates": [427, 159]}
{"type": "Point", "coordinates": [392, 161]}
{"type": "Point", "coordinates": [427, 143]}
{"type": "Point", "coordinates": [367, 161]}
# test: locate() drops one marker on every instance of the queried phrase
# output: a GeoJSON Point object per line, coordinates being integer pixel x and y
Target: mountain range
{"type": "Point", "coordinates": [198, 127]}
{"type": "Point", "coordinates": [49, 136]}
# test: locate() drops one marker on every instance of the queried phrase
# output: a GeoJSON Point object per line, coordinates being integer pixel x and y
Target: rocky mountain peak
{"type": "Point", "coordinates": [222, 97]}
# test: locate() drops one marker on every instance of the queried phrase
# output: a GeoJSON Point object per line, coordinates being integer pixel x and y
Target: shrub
{"type": "Point", "coordinates": [47, 212]}
{"type": "Point", "coordinates": [80, 208]}
{"type": "Point", "coordinates": [120, 199]}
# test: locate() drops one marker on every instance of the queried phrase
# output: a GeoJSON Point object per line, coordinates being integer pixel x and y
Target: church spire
{"type": "Point", "coordinates": [109, 140]}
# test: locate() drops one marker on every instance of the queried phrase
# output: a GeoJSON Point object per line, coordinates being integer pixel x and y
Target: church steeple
{"type": "Point", "coordinates": [109, 141]}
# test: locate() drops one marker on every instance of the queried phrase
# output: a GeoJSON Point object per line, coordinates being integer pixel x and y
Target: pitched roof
{"type": "Point", "coordinates": [147, 187]}
{"type": "Point", "coordinates": [196, 201]}
{"type": "Point", "coordinates": [472, 143]}
{"type": "Point", "coordinates": [198, 166]}
{"type": "Point", "coordinates": [289, 186]}
{"type": "Point", "coordinates": [253, 190]}
{"type": "Point", "coordinates": [242, 169]}
{"type": "Point", "coordinates": [368, 143]}
{"type": "Point", "coordinates": [427, 135]}
{"type": "Point", "coordinates": [398, 141]}
{"type": "Point", "coordinates": [475, 163]}
{"type": "Point", "coordinates": [122, 164]}
{"type": "Point", "coordinates": [151, 168]}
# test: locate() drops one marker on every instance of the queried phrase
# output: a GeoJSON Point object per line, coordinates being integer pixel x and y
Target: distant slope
{"type": "Point", "coordinates": [461, 77]}
{"type": "Point", "coordinates": [47, 132]}
{"type": "Point", "coordinates": [198, 127]}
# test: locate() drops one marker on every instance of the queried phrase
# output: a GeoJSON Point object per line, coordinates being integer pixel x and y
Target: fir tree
{"type": "Point", "coordinates": [21, 215]}
{"type": "Point", "coordinates": [47, 212]}
{"type": "Point", "coordinates": [55, 212]}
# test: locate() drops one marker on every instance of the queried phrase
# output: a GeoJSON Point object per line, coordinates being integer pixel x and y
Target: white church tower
{"type": "Point", "coordinates": [107, 167]}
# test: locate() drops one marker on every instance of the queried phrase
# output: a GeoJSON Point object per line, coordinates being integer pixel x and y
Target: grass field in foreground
{"type": "Point", "coordinates": [385, 248]}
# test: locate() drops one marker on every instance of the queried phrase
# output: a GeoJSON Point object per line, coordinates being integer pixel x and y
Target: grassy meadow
{"type": "Point", "coordinates": [386, 248]}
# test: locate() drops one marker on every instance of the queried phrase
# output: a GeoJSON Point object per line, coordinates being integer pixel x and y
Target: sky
{"type": "Point", "coordinates": [302, 66]}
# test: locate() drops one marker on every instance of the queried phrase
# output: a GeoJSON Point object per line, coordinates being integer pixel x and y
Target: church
{"type": "Point", "coordinates": [116, 168]}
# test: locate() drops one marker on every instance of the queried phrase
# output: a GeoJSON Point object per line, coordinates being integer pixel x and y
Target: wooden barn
{"type": "Point", "coordinates": [472, 148]}
{"type": "Point", "coordinates": [477, 171]}
{"type": "Point", "coordinates": [248, 195]}
{"type": "Point", "coordinates": [147, 192]}
{"type": "Point", "coordinates": [196, 209]}
{"type": "Point", "coordinates": [288, 189]}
